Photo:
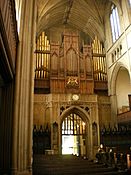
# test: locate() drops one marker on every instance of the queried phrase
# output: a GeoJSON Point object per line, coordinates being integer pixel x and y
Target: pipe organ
{"type": "Point", "coordinates": [64, 68]}
{"type": "Point", "coordinates": [42, 64]}
{"type": "Point", "coordinates": [70, 77]}
{"type": "Point", "coordinates": [99, 66]}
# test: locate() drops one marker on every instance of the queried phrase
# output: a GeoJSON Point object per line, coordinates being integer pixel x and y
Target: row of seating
{"type": "Point", "coordinates": [70, 165]}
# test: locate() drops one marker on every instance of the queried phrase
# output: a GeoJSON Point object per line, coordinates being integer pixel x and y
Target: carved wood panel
{"type": "Point", "coordinates": [72, 69]}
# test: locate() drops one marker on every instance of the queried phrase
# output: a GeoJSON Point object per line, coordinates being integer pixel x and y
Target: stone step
{"type": "Point", "coordinates": [69, 165]}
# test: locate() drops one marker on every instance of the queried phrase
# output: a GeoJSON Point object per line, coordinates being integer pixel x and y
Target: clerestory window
{"type": "Point", "coordinates": [115, 24]}
{"type": "Point", "coordinates": [129, 3]}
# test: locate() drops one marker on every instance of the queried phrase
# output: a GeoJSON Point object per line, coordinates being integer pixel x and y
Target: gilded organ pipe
{"type": "Point", "coordinates": [42, 57]}
{"type": "Point", "coordinates": [98, 61]}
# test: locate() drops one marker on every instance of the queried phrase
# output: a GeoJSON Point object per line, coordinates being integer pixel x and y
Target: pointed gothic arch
{"type": "Point", "coordinates": [114, 77]}
{"type": "Point", "coordinates": [84, 115]}
{"type": "Point", "coordinates": [116, 106]}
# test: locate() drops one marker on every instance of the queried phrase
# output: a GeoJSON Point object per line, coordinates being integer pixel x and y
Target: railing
{"type": "Point", "coordinates": [8, 26]}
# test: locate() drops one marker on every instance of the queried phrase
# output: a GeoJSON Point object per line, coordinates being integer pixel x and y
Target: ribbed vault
{"type": "Point", "coordinates": [85, 15]}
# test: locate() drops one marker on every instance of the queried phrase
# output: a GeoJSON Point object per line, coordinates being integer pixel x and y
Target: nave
{"type": "Point", "coordinates": [65, 84]}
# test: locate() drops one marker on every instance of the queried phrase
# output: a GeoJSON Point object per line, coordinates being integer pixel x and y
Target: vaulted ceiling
{"type": "Point", "coordinates": [85, 15]}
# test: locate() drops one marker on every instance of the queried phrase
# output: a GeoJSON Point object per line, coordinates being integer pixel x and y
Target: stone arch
{"type": "Point", "coordinates": [86, 118]}
{"type": "Point", "coordinates": [108, 7]}
{"type": "Point", "coordinates": [107, 17]}
{"type": "Point", "coordinates": [118, 4]}
{"type": "Point", "coordinates": [78, 110]}
{"type": "Point", "coordinates": [117, 103]}
{"type": "Point", "coordinates": [114, 77]}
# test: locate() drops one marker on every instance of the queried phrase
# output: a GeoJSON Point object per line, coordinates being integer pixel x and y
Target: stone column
{"type": "Point", "coordinates": [90, 140]}
{"type": "Point", "coordinates": [31, 90]}
{"type": "Point", "coordinates": [113, 110]}
{"type": "Point", "coordinates": [23, 104]}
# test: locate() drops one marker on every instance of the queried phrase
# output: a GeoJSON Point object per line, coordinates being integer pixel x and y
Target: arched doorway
{"type": "Point", "coordinates": [73, 135]}
{"type": "Point", "coordinates": [75, 131]}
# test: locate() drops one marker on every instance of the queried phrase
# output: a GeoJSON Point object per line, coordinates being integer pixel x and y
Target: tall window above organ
{"type": "Point", "coordinates": [115, 24]}
{"type": "Point", "coordinates": [129, 2]}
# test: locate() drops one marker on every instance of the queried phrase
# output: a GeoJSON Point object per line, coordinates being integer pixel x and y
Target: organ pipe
{"type": "Point", "coordinates": [99, 62]}
{"type": "Point", "coordinates": [42, 57]}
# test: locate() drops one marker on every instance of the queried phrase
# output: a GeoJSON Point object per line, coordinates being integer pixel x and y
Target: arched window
{"type": "Point", "coordinates": [129, 2]}
{"type": "Point", "coordinates": [18, 6]}
{"type": "Point", "coordinates": [115, 25]}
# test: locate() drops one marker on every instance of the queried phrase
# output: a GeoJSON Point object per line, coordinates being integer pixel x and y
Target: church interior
{"type": "Point", "coordinates": [65, 81]}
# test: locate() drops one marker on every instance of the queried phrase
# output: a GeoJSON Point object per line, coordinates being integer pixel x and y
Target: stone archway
{"type": "Point", "coordinates": [123, 89]}
{"type": "Point", "coordinates": [120, 79]}
{"type": "Point", "coordinates": [74, 116]}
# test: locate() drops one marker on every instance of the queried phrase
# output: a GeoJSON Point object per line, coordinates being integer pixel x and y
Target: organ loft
{"type": "Point", "coordinates": [71, 94]}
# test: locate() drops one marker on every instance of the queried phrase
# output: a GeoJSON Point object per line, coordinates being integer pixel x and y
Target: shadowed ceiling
{"type": "Point", "coordinates": [85, 15]}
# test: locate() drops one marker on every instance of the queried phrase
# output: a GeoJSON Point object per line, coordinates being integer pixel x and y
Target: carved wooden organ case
{"type": "Point", "coordinates": [64, 68]}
